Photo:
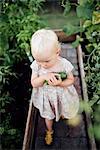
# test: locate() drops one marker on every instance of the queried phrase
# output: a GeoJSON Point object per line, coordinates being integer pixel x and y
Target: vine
{"type": "Point", "coordinates": [19, 20]}
{"type": "Point", "coordinates": [90, 41]}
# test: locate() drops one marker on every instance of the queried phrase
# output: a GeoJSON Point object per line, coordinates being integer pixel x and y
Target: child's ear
{"type": "Point", "coordinates": [58, 52]}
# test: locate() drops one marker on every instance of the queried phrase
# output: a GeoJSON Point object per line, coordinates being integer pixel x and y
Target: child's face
{"type": "Point", "coordinates": [48, 60]}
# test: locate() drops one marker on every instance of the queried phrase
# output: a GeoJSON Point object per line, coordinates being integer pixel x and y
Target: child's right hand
{"type": "Point", "coordinates": [53, 79]}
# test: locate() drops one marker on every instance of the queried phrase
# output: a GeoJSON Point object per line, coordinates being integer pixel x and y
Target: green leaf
{"type": "Point", "coordinates": [1, 130]}
{"type": "Point", "coordinates": [85, 106]}
{"type": "Point", "coordinates": [67, 8]}
{"type": "Point", "coordinates": [94, 100]}
{"type": "Point", "coordinates": [96, 17]}
{"type": "Point", "coordinates": [96, 129]}
{"type": "Point", "coordinates": [12, 131]}
{"type": "Point", "coordinates": [89, 48]}
{"type": "Point", "coordinates": [82, 2]}
{"type": "Point", "coordinates": [71, 29]}
{"type": "Point", "coordinates": [75, 43]}
{"type": "Point", "coordinates": [3, 43]}
{"type": "Point", "coordinates": [84, 12]}
{"type": "Point", "coordinates": [87, 23]}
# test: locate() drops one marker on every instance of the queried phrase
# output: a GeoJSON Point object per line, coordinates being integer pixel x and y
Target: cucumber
{"type": "Point", "coordinates": [63, 76]}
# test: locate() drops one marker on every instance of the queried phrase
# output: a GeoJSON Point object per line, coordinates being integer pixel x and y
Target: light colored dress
{"type": "Point", "coordinates": [55, 101]}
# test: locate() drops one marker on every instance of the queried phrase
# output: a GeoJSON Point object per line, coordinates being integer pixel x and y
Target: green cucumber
{"type": "Point", "coordinates": [63, 76]}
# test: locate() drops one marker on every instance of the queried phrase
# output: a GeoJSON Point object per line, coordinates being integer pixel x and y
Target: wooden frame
{"type": "Point", "coordinates": [30, 130]}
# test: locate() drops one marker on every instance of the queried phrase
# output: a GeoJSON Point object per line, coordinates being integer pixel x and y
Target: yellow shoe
{"type": "Point", "coordinates": [49, 137]}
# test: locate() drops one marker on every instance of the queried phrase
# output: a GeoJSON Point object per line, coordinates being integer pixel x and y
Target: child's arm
{"type": "Point", "coordinates": [60, 82]}
{"type": "Point", "coordinates": [67, 82]}
{"type": "Point", "coordinates": [38, 81]}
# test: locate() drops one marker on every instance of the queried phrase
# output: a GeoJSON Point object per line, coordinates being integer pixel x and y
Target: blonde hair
{"type": "Point", "coordinates": [42, 40]}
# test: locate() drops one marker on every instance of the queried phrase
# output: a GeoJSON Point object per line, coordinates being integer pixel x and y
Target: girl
{"type": "Point", "coordinates": [57, 98]}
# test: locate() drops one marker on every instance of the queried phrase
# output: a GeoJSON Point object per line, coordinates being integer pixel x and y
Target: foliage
{"type": "Point", "coordinates": [19, 20]}
{"type": "Point", "coordinates": [67, 6]}
{"type": "Point", "coordinates": [70, 29]}
{"type": "Point", "coordinates": [89, 13]}
{"type": "Point", "coordinates": [85, 9]}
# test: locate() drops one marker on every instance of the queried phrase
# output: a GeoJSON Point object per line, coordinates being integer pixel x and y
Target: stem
{"type": "Point", "coordinates": [91, 54]}
{"type": "Point", "coordinates": [89, 59]}
{"type": "Point", "coordinates": [74, 4]}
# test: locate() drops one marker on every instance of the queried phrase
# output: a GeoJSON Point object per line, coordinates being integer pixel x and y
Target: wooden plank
{"type": "Point", "coordinates": [30, 127]}
{"type": "Point", "coordinates": [85, 96]}
{"type": "Point", "coordinates": [65, 136]}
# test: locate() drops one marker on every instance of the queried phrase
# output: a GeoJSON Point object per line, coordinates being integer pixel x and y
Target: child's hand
{"type": "Point", "coordinates": [56, 81]}
{"type": "Point", "coordinates": [53, 79]}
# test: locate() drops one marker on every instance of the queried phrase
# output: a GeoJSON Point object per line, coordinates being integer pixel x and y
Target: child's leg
{"type": "Point", "coordinates": [49, 124]}
{"type": "Point", "coordinates": [49, 132]}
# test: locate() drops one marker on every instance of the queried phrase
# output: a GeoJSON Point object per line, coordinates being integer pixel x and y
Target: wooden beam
{"type": "Point", "coordinates": [30, 127]}
{"type": "Point", "coordinates": [85, 97]}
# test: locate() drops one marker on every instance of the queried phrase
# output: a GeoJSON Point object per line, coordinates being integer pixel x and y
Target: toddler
{"type": "Point", "coordinates": [58, 97]}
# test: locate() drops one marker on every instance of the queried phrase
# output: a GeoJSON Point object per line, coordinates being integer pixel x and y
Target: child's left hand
{"type": "Point", "coordinates": [55, 82]}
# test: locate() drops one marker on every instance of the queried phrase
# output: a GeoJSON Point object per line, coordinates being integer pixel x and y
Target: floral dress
{"type": "Point", "coordinates": [55, 101]}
